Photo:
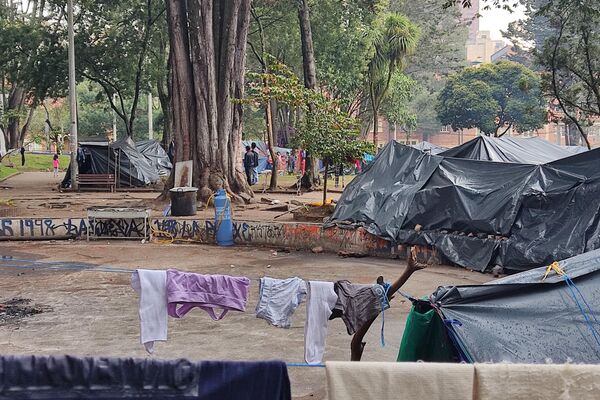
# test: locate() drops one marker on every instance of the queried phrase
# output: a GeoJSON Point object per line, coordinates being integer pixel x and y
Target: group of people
{"type": "Point", "coordinates": [285, 162]}
{"type": "Point", "coordinates": [251, 164]}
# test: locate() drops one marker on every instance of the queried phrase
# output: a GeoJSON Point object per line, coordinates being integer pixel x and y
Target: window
{"type": "Point", "coordinates": [445, 128]}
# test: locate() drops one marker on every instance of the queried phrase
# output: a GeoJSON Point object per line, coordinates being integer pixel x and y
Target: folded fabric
{"type": "Point", "coordinates": [278, 299]}
{"type": "Point", "coordinates": [320, 301]}
{"type": "Point", "coordinates": [186, 290]}
{"type": "Point", "coordinates": [229, 380]}
{"type": "Point", "coordinates": [358, 303]}
{"type": "Point", "coordinates": [67, 377]}
{"type": "Point", "coordinates": [536, 381]}
{"type": "Point", "coordinates": [392, 381]}
{"type": "Point", "coordinates": [151, 286]}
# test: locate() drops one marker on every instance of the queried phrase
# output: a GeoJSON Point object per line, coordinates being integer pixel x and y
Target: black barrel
{"type": "Point", "coordinates": [183, 201]}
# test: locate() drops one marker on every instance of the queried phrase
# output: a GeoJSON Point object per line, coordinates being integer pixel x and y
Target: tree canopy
{"type": "Point", "coordinates": [493, 98]}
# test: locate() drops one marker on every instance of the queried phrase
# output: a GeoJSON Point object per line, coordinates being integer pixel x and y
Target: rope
{"type": "Point", "coordinates": [574, 290]}
{"type": "Point", "coordinates": [293, 365]}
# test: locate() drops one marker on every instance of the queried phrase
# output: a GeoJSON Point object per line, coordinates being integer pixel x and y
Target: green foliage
{"type": "Point", "coordinates": [440, 52]}
{"type": "Point", "coordinates": [395, 106]}
{"type": "Point", "coordinates": [325, 131]}
{"type": "Point", "coordinates": [492, 96]}
{"type": "Point", "coordinates": [571, 56]}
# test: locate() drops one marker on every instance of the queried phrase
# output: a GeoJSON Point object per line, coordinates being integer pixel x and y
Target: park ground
{"type": "Point", "coordinates": [93, 312]}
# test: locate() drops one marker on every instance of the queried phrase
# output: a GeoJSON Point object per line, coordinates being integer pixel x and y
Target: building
{"type": "Point", "coordinates": [481, 50]}
{"type": "Point", "coordinates": [470, 17]}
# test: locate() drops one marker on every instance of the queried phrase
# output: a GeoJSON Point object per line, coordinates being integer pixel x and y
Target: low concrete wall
{"type": "Point", "coordinates": [290, 235]}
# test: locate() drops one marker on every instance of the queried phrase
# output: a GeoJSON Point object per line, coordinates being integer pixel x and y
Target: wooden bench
{"type": "Point", "coordinates": [107, 180]}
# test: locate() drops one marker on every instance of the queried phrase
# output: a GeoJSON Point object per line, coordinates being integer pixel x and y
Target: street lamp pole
{"type": "Point", "coordinates": [72, 98]}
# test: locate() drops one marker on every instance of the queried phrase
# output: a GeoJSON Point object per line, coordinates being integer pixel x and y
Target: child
{"type": "Point", "coordinates": [55, 164]}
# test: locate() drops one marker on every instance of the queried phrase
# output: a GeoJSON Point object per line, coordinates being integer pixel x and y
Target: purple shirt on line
{"type": "Point", "coordinates": [186, 290]}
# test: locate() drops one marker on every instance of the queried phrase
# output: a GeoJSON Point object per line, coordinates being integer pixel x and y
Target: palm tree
{"type": "Point", "coordinates": [395, 38]}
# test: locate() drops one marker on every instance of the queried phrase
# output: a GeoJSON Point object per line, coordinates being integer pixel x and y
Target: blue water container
{"type": "Point", "coordinates": [223, 223]}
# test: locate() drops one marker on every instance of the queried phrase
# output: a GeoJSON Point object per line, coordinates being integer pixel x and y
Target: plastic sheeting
{"type": "Point", "coordinates": [66, 377]}
{"type": "Point", "coordinates": [429, 147]}
{"type": "Point", "coordinates": [521, 319]}
{"type": "Point", "coordinates": [123, 159]}
{"type": "Point", "coordinates": [510, 149]}
{"type": "Point", "coordinates": [158, 157]}
{"type": "Point", "coordinates": [478, 213]}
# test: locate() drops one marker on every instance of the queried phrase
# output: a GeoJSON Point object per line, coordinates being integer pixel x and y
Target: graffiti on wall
{"type": "Point", "coordinates": [206, 231]}
{"type": "Point", "coordinates": [73, 227]}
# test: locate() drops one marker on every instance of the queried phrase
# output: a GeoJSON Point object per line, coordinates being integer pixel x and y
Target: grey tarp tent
{"type": "Point", "coordinates": [532, 150]}
{"type": "Point", "coordinates": [120, 158]}
{"type": "Point", "coordinates": [524, 320]}
{"type": "Point", "coordinates": [429, 147]}
{"type": "Point", "coordinates": [478, 213]}
{"type": "Point", "coordinates": [156, 155]}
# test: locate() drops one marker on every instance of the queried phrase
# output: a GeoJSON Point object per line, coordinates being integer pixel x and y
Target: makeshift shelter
{"type": "Point", "coordinates": [156, 155]}
{"type": "Point", "coordinates": [478, 213]}
{"type": "Point", "coordinates": [519, 319]}
{"type": "Point", "coordinates": [429, 147]}
{"type": "Point", "coordinates": [122, 159]}
{"type": "Point", "coordinates": [532, 150]}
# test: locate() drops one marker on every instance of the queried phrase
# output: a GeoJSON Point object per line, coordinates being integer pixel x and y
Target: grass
{"type": "Point", "coordinates": [285, 181]}
{"type": "Point", "coordinates": [33, 162]}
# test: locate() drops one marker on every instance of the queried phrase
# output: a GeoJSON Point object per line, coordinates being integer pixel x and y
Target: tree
{"type": "Point", "coordinates": [396, 37]}
{"type": "Point", "coordinates": [32, 64]}
{"type": "Point", "coordinates": [493, 98]}
{"type": "Point", "coordinates": [395, 106]}
{"type": "Point", "coordinates": [571, 59]}
{"type": "Point", "coordinates": [331, 135]}
{"type": "Point", "coordinates": [112, 45]}
{"type": "Point", "coordinates": [441, 52]}
{"type": "Point", "coordinates": [207, 65]}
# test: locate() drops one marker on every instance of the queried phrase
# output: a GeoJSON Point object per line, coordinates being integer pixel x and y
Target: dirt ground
{"type": "Point", "coordinates": [95, 313]}
{"type": "Point", "coordinates": [36, 194]}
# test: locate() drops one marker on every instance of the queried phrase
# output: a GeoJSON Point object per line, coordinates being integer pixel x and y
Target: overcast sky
{"type": "Point", "coordinates": [495, 20]}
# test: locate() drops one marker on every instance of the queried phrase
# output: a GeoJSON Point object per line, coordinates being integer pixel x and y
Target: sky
{"type": "Point", "coordinates": [495, 20]}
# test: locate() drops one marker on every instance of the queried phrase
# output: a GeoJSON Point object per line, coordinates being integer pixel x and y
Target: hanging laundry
{"type": "Point", "coordinates": [321, 299]}
{"type": "Point", "coordinates": [278, 299]}
{"type": "Point", "coordinates": [357, 303]}
{"type": "Point", "coordinates": [186, 290]}
{"type": "Point", "coordinates": [151, 286]}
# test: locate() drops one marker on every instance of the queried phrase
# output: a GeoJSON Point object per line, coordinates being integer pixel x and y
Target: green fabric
{"type": "Point", "coordinates": [425, 339]}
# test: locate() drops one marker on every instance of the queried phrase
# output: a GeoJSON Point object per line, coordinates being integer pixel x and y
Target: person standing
{"type": "Point", "coordinates": [255, 166]}
{"type": "Point", "coordinates": [249, 165]}
{"type": "Point", "coordinates": [291, 161]}
{"type": "Point", "coordinates": [22, 156]}
{"type": "Point", "coordinates": [55, 164]}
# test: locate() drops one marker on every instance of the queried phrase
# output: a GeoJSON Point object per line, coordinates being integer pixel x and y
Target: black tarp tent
{"type": "Point", "coordinates": [522, 319]}
{"type": "Point", "coordinates": [123, 159]}
{"type": "Point", "coordinates": [532, 150]}
{"type": "Point", "coordinates": [429, 147]}
{"type": "Point", "coordinates": [478, 213]}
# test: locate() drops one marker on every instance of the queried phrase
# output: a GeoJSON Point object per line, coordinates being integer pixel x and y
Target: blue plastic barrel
{"type": "Point", "coordinates": [223, 223]}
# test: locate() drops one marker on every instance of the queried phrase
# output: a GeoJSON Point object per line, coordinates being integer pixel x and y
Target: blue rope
{"type": "Point", "coordinates": [572, 287]}
{"type": "Point", "coordinates": [384, 301]}
{"type": "Point", "coordinates": [305, 365]}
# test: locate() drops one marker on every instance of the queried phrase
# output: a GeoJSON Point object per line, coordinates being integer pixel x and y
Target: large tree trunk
{"type": "Point", "coordinates": [208, 55]}
{"type": "Point", "coordinates": [16, 100]}
{"type": "Point", "coordinates": [310, 80]}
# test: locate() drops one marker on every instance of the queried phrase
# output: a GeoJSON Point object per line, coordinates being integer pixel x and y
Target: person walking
{"type": "Point", "coordinates": [55, 164]}
{"type": "Point", "coordinates": [249, 165]}
{"type": "Point", "coordinates": [255, 166]}
{"type": "Point", "coordinates": [22, 156]}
